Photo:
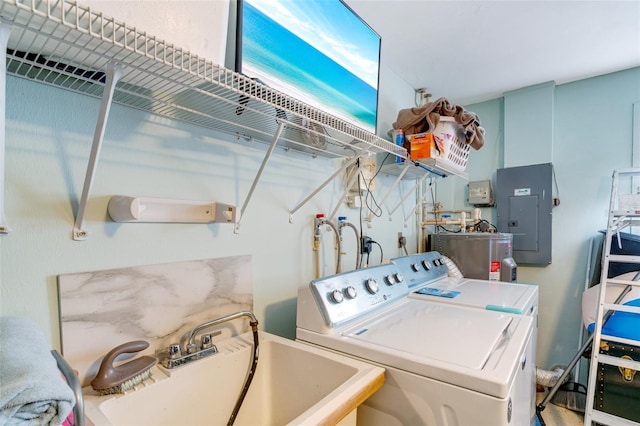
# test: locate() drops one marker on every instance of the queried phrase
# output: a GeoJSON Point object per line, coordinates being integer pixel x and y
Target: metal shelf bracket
{"type": "Point", "coordinates": [114, 72]}
{"type": "Point", "coordinates": [325, 183]}
{"type": "Point", "coordinates": [404, 198]}
{"type": "Point", "coordinates": [5, 29]}
{"type": "Point", "coordinates": [391, 189]}
{"type": "Point", "coordinates": [265, 160]}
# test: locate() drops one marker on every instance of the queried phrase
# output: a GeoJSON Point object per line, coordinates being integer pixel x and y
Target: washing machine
{"type": "Point", "coordinates": [445, 363]}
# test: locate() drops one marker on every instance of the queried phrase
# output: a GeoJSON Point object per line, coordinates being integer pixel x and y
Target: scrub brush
{"type": "Point", "coordinates": [124, 377]}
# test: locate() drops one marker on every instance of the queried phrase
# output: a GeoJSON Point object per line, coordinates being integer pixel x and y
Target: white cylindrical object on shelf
{"type": "Point", "coordinates": [163, 210]}
{"type": "Point", "coordinates": [121, 209]}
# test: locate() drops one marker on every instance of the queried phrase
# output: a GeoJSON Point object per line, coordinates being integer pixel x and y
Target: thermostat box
{"type": "Point", "coordinates": [480, 193]}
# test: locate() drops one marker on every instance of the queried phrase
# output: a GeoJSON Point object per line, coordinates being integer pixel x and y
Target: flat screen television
{"type": "Point", "coordinates": [317, 51]}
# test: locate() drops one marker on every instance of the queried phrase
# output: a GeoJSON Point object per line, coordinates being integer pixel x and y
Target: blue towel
{"type": "Point", "coordinates": [33, 392]}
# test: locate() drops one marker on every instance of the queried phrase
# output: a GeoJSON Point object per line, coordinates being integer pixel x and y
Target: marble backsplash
{"type": "Point", "coordinates": [156, 303]}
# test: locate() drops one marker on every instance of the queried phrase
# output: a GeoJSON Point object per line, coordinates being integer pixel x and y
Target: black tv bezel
{"type": "Point", "coordinates": [235, 61]}
{"type": "Point", "coordinates": [237, 66]}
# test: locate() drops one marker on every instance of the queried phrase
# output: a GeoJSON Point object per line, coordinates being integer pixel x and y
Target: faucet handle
{"type": "Point", "coordinates": [207, 339]}
{"type": "Point", "coordinates": [174, 351]}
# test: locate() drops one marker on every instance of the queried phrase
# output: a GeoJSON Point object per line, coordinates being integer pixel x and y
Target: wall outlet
{"type": "Point", "coordinates": [402, 240]}
{"type": "Point", "coordinates": [354, 201]}
{"type": "Point", "coordinates": [366, 245]}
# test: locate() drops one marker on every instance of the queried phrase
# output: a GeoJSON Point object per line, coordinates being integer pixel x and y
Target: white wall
{"type": "Point", "coordinates": [199, 26]}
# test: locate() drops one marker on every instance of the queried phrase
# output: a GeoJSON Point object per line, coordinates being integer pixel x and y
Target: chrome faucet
{"type": "Point", "coordinates": [193, 350]}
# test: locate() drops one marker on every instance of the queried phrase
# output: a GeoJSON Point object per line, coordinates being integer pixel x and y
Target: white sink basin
{"type": "Point", "coordinates": [294, 384]}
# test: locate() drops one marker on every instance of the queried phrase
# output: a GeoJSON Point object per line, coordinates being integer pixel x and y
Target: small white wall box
{"type": "Point", "coordinates": [162, 210]}
{"type": "Point", "coordinates": [481, 193]}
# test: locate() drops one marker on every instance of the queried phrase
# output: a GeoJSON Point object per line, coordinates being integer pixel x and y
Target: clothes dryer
{"type": "Point", "coordinates": [427, 277]}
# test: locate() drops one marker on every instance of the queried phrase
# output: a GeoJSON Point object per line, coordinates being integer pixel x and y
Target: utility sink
{"type": "Point", "coordinates": [294, 384]}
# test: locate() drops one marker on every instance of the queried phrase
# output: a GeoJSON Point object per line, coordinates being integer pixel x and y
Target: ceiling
{"type": "Point", "coordinates": [473, 51]}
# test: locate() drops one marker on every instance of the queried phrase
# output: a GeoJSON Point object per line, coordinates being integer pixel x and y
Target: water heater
{"type": "Point", "coordinates": [479, 255]}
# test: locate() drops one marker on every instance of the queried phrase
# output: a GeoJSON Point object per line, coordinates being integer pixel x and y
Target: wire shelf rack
{"type": "Point", "coordinates": [63, 44]}
{"type": "Point", "coordinates": [76, 48]}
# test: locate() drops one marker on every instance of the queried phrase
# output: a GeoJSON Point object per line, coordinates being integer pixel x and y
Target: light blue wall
{"type": "Point", "coordinates": [592, 133]}
{"type": "Point", "coordinates": [49, 133]}
{"type": "Point", "coordinates": [528, 125]}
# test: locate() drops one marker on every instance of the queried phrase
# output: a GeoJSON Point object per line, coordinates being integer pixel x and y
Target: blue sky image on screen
{"type": "Point", "coordinates": [317, 51]}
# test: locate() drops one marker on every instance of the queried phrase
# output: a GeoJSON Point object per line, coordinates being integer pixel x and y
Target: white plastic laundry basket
{"type": "Point", "coordinates": [451, 135]}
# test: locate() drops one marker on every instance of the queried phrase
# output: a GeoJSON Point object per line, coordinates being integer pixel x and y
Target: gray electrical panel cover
{"type": "Point", "coordinates": [524, 201]}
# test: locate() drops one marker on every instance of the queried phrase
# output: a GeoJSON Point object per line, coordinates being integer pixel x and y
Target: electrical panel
{"type": "Point", "coordinates": [524, 201]}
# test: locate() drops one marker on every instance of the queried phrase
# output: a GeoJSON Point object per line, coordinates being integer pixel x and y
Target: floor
{"type": "Point", "coordinates": [554, 415]}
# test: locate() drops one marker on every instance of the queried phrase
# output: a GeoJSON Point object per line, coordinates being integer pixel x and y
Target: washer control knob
{"type": "Point", "coordinates": [398, 276]}
{"type": "Point", "coordinates": [415, 267]}
{"type": "Point", "coordinates": [371, 285]}
{"type": "Point", "coordinates": [336, 296]}
{"type": "Point", "coordinates": [350, 292]}
{"type": "Point", "coordinates": [390, 279]}
{"type": "Point", "coordinates": [436, 262]}
{"type": "Point", "coordinates": [426, 264]}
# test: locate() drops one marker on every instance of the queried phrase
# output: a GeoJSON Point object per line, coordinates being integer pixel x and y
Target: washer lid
{"type": "Point", "coordinates": [447, 333]}
{"type": "Point", "coordinates": [494, 295]}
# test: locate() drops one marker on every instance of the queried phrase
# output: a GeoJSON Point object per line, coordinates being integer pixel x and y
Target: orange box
{"type": "Point", "coordinates": [421, 146]}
